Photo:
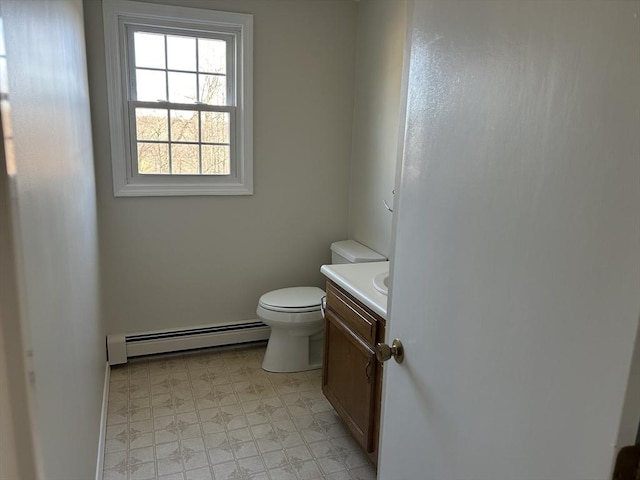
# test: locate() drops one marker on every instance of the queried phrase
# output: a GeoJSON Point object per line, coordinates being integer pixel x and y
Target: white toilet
{"type": "Point", "coordinates": [295, 318]}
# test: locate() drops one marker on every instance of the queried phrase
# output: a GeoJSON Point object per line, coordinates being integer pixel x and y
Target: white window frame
{"type": "Point", "coordinates": [120, 17]}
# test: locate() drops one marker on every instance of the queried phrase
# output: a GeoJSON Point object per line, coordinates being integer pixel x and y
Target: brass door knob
{"type": "Point", "coordinates": [384, 352]}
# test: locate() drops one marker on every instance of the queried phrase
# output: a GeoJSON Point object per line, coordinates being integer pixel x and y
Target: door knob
{"type": "Point", "coordinates": [384, 352]}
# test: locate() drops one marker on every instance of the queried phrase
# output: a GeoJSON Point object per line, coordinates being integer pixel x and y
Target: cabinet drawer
{"type": "Point", "coordinates": [353, 315]}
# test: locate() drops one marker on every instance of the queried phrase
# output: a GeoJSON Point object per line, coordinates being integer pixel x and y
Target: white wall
{"type": "Point", "coordinates": [9, 463]}
{"type": "Point", "coordinates": [57, 259]}
{"type": "Point", "coordinates": [381, 37]}
{"type": "Point", "coordinates": [630, 418]}
{"type": "Point", "coordinates": [19, 452]}
{"type": "Point", "coordinates": [186, 261]}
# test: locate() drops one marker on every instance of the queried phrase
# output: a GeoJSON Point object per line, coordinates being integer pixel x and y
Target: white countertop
{"type": "Point", "coordinates": [357, 279]}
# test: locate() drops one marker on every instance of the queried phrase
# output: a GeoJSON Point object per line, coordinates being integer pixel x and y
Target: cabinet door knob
{"type": "Point", "coordinates": [384, 352]}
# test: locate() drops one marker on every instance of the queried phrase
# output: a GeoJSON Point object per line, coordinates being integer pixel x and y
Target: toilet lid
{"type": "Point", "coordinates": [293, 298]}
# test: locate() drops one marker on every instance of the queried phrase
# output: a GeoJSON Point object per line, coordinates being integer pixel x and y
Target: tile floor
{"type": "Point", "coordinates": [216, 415]}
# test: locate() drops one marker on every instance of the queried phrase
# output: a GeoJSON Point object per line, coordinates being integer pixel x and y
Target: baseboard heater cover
{"type": "Point", "coordinates": [120, 347]}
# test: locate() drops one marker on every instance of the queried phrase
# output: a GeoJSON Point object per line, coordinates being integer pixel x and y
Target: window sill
{"type": "Point", "coordinates": [180, 189]}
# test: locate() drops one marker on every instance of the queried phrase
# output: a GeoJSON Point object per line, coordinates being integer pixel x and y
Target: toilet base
{"type": "Point", "coordinates": [287, 353]}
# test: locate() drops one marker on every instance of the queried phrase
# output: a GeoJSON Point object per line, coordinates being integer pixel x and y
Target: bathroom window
{"type": "Point", "coordinates": [180, 99]}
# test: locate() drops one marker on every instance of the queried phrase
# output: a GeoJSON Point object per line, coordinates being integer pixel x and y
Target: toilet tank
{"type": "Point", "coordinates": [350, 251]}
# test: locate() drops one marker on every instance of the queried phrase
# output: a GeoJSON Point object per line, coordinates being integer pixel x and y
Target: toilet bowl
{"type": "Point", "coordinates": [295, 317]}
{"type": "Point", "coordinates": [296, 322]}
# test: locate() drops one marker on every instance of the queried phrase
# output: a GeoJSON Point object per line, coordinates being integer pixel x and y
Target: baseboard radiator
{"type": "Point", "coordinates": [120, 347]}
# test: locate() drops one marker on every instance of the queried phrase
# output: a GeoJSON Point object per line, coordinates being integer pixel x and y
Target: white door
{"type": "Point", "coordinates": [516, 272]}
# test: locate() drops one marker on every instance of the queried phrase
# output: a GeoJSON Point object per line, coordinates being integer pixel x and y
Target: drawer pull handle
{"type": "Point", "coordinates": [366, 371]}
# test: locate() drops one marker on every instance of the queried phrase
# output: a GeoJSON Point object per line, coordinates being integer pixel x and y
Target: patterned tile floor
{"type": "Point", "coordinates": [216, 415]}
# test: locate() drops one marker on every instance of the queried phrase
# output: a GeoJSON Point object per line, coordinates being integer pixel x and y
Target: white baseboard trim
{"type": "Point", "coordinates": [103, 424]}
{"type": "Point", "coordinates": [122, 346]}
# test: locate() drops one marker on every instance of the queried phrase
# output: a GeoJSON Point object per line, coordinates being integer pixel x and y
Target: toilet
{"type": "Point", "coordinates": [295, 316]}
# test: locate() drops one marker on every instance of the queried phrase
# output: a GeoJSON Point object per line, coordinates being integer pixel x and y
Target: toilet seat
{"type": "Point", "coordinates": [292, 300]}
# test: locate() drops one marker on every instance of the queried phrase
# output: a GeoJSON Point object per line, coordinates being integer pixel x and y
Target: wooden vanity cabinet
{"type": "Point", "coordinates": [351, 376]}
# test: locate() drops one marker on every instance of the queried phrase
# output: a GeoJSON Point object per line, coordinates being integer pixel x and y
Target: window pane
{"type": "Point", "coordinates": [151, 124]}
{"type": "Point", "coordinates": [215, 160]}
{"type": "Point", "coordinates": [212, 56]}
{"type": "Point", "coordinates": [213, 89]}
{"type": "Point", "coordinates": [181, 53]}
{"type": "Point", "coordinates": [150, 86]}
{"type": "Point", "coordinates": [215, 127]}
{"type": "Point", "coordinates": [182, 87]}
{"type": "Point", "coordinates": [184, 126]}
{"type": "Point", "coordinates": [149, 50]}
{"type": "Point", "coordinates": [184, 159]}
{"type": "Point", "coordinates": [153, 158]}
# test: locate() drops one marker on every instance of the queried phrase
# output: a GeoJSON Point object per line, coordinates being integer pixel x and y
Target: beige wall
{"type": "Point", "coordinates": [185, 261]}
{"type": "Point", "coordinates": [381, 37]}
{"type": "Point", "coordinates": [56, 227]}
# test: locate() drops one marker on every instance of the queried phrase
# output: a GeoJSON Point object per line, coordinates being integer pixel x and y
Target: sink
{"type": "Point", "coordinates": [381, 283]}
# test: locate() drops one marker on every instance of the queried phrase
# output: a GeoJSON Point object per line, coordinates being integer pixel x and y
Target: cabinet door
{"type": "Point", "coordinates": [348, 378]}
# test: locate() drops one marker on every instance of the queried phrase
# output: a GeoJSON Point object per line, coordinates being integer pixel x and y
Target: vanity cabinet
{"type": "Point", "coordinates": [352, 377]}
